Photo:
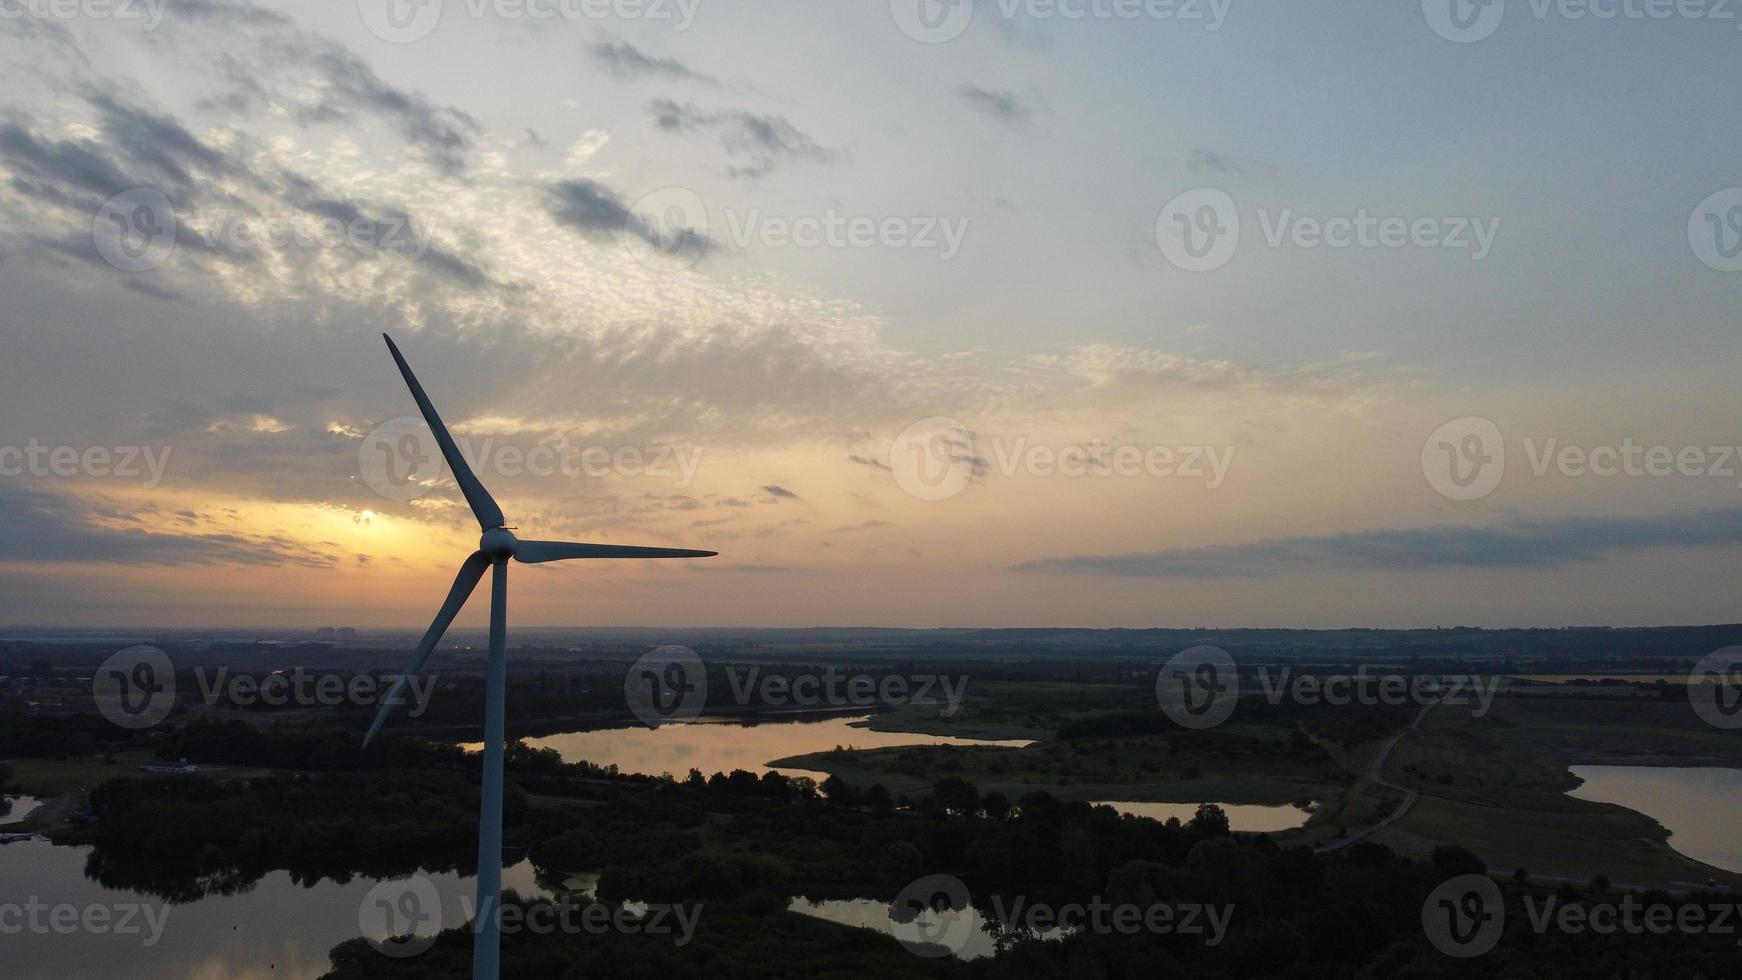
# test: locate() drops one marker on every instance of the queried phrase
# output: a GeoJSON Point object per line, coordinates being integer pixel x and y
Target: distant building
{"type": "Point", "coordinates": [347, 634]}
{"type": "Point", "coordinates": [182, 768]}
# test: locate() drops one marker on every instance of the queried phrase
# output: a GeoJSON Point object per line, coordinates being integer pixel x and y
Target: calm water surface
{"type": "Point", "coordinates": [278, 930]}
{"type": "Point", "coordinates": [713, 745]}
{"type": "Point", "coordinates": [1246, 818]}
{"type": "Point", "coordinates": [22, 807]}
{"type": "Point", "coordinates": [1700, 807]}
{"type": "Point", "coordinates": [962, 929]}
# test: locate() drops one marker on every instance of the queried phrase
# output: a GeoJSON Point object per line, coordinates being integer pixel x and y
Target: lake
{"type": "Point", "coordinates": [1698, 806]}
{"type": "Point", "coordinates": [721, 745]}
{"type": "Point", "coordinates": [22, 807]}
{"type": "Point", "coordinates": [961, 929]}
{"type": "Point", "coordinates": [278, 930]}
{"type": "Point", "coordinates": [1246, 818]}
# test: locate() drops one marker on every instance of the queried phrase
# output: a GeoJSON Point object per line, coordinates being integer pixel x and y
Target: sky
{"type": "Point", "coordinates": [972, 313]}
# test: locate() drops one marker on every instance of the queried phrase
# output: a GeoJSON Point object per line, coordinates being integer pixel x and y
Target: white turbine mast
{"type": "Point", "coordinates": [497, 545]}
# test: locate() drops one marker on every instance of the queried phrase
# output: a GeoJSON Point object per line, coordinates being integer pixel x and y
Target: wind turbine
{"type": "Point", "coordinates": [495, 548]}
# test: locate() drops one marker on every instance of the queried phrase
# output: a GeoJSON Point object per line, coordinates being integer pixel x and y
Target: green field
{"type": "Point", "coordinates": [1498, 785]}
{"type": "Point", "coordinates": [50, 778]}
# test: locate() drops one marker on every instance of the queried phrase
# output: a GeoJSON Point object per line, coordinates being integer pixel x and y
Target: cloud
{"type": "Point", "coordinates": [868, 461]}
{"type": "Point", "coordinates": [55, 161]}
{"type": "Point", "coordinates": [1539, 544]}
{"type": "Point", "coordinates": [138, 148]}
{"type": "Point", "coordinates": [1213, 162]}
{"type": "Point", "coordinates": [214, 190]}
{"type": "Point", "coordinates": [776, 490]}
{"type": "Point", "coordinates": [58, 528]}
{"type": "Point", "coordinates": [626, 61]}
{"type": "Point", "coordinates": [760, 141]}
{"type": "Point", "coordinates": [1003, 106]}
{"type": "Point", "coordinates": [957, 445]}
{"type": "Point", "coordinates": [582, 345]}
{"type": "Point", "coordinates": [147, 288]}
{"type": "Point", "coordinates": [444, 134]}
{"type": "Point", "coordinates": [270, 62]}
{"type": "Point", "coordinates": [598, 212]}
{"type": "Point", "coordinates": [589, 207]}
{"type": "Point", "coordinates": [162, 143]}
{"type": "Point", "coordinates": [392, 230]}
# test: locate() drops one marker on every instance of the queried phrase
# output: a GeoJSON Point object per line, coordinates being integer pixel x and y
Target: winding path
{"type": "Point", "coordinates": [1376, 771]}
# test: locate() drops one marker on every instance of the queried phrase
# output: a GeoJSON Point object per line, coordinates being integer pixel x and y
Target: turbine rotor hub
{"type": "Point", "coordinates": [497, 544]}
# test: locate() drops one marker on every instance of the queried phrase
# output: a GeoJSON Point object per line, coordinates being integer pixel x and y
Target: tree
{"type": "Point", "coordinates": [570, 851]}
{"type": "Point", "coordinates": [1210, 820]}
{"type": "Point", "coordinates": [996, 805]}
{"type": "Point", "coordinates": [839, 792]}
{"type": "Point", "coordinates": [1452, 861]}
{"type": "Point", "coordinates": [905, 859]}
{"type": "Point", "coordinates": [877, 798]}
{"type": "Point", "coordinates": [776, 786]}
{"type": "Point", "coordinates": [956, 795]}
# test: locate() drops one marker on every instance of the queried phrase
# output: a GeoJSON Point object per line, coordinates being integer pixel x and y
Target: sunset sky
{"type": "Point", "coordinates": [897, 313]}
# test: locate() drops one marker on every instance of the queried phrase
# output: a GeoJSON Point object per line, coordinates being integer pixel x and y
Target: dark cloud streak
{"type": "Point", "coordinates": [1003, 106]}
{"type": "Point", "coordinates": [626, 61]}
{"type": "Point", "coordinates": [761, 141]}
{"type": "Point", "coordinates": [1540, 544]}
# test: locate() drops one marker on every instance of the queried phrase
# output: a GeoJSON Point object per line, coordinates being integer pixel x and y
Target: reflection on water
{"type": "Point", "coordinates": [276, 930]}
{"type": "Point", "coordinates": [712, 745]}
{"type": "Point", "coordinates": [1698, 806]}
{"type": "Point", "coordinates": [282, 928]}
{"type": "Point", "coordinates": [1245, 818]}
{"type": "Point", "coordinates": [963, 930]}
{"type": "Point", "coordinates": [22, 807]}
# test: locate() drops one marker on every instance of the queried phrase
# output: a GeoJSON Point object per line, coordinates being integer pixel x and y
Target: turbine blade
{"type": "Point", "coordinates": [470, 573]}
{"type": "Point", "coordinates": [535, 552]}
{"type": "Point", "coordinates": [483, 505]}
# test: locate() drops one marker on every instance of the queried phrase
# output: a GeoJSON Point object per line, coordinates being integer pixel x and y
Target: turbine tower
{"type": "Point", "coordinates": [495, 548]}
